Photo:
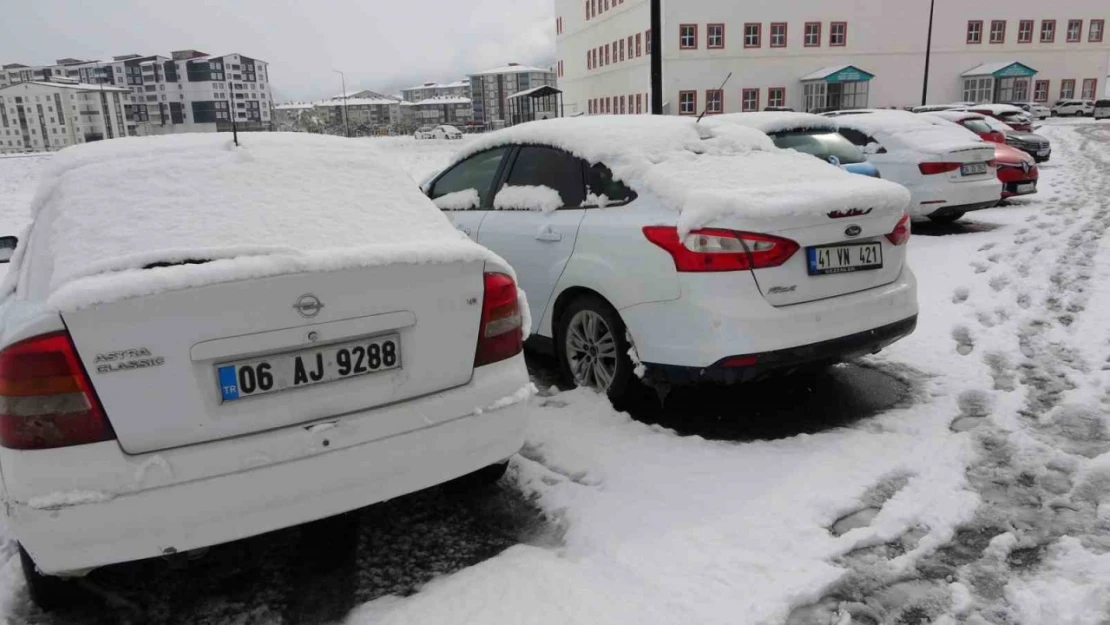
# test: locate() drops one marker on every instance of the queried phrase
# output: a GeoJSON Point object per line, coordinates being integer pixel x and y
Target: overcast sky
{"type": "Point", "coordinates": [379, 44]}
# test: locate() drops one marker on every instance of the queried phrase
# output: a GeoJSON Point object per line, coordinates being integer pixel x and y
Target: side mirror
{"type": "Point", "coordinates": [7, 248]}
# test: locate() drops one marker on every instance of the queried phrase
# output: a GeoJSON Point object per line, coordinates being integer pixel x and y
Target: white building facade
{"type": "Point", "coordinates": [45, 116]}
{"type": "Point", "coordinates": [458, 89]}
{"type": "Point", "coordinates": [814, 55]}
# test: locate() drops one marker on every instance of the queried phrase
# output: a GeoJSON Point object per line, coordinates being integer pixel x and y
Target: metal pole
{"type": "Point", "coordinates": [928, 55]}
{"type": "Point", "coordinates": [346, 120]}
{"type": "Point", "coordinates": [656, 42]}
{"type": "Point", "coordinates": [231, 114]}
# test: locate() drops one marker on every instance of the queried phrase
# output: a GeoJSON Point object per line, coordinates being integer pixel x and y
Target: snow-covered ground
{"type": "Point", "coordinates": [983, 496]}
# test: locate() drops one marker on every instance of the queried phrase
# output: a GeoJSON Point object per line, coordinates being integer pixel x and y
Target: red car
{"type": "Point", "coordinates": [1016, 169]}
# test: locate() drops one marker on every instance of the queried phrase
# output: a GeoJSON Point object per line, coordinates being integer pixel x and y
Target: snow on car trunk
{"type": "Point", "coordinates": [284, 281]}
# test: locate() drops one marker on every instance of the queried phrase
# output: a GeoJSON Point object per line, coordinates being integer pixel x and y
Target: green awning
{"type": "Point", "coordinates": [838, 73]}
{"type": "Point", "coordinates": [1004, 69]}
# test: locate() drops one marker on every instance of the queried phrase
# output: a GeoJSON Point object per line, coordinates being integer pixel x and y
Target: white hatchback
{"type": "Point", "coordinates": [266, 335]}
{"type": "Point", "coordinates": [682, 251]}
{"type": "Point", "coordinates": [948, 171]}
{"type": "Point", "coordinates": [445, 132]}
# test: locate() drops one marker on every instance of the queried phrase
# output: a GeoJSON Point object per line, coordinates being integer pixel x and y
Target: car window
{"type": "Point", "coordinates": [977, 126]}
{"type": "Point", "coordinates": [820, 143]}
{"type": "Point", "coordinates": [537, 166]}
{"type": "Point", "coordinates": [600, 183]}
{"type": "Point", "coordinates": [474, 175]}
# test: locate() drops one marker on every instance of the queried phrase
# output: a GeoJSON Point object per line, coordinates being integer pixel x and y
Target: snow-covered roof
{"type": "Point", "coordinates": [444, 100]}
{"type": "Point", "coordinates": [825, 72]}
{"type": "Point", "coordinates": [997, 69]}
{"type": "Point", "coordinates": [953, 116]}
{"type": "Point", "coordinates": [439, 85]}
{"type": "Point", "coordinates": [779, 121]}
{"type": "Point", "coordinates": [910, 131]}
{"type": "Point", "coordinates": [705, 170]}
{"type": "Point", "coordinates": [358, 102]}
{"type": "Point", "coordinates": [511, 69]}
{"type": "Point", "coordinates": [279, 203]}
{"type": "Point", "coordinates": [999, 109]}
{"type": "Point", "coordinates": [80, 86]}
{"type": "Point", "coordinates": [528, 92]}
{"type": "Point", "coordinates": [293, 106]}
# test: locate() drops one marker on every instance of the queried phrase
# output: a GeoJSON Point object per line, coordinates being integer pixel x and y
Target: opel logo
{"type": "Point", "coordinates": [308, 305]}
{"type": "Point", "coordinates": [853, 231]}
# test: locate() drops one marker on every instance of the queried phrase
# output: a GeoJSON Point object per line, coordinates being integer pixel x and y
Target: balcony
{"type": "Point", "coordinates": [89, 112]}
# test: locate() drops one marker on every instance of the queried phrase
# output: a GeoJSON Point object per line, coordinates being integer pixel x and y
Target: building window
{"type": "Point", "coordinates": [715, 36]}
{"type": "Point", "coordinates": [606, 47]}
{"type": "Point", "coordinates": [1094, 34]}
{"type": "Point", "coordinates": [639, 103]}
{"type": "Point", "coordinates": [776, 96]}
{"type": "Point", "coordinates": [1025, 31]}
{"type": "Point", "coordinates": [1089, 87]}
{"type": "Point", "coordinates": [978, 90]}
{"type": "Point", "coordinates": [1075, 30]}
{"type": "Point", "coordinates": [778, 34]}
{"type": "Point", "coordinates": [998, 31]}
{"type": "Point", "coordinates": [714, 101]}
{"type": "Point", "coordinates": [630, 49]}
{"type": "Point", "coordinates": [975, 31]}
{"type": "Point", "coordinates": [1048, 31]}
{"type": "Point", "coordinates": [647, 42]}
{"type": "Point", "coordinates": [753, 34]}
{"type": "Point", "coordinates": [639, 47]}
{"type": "Point", "coordinates": [749, 100]}
{"type": "Point", "coordinates": [1040, 91]}
{"type": "Point", "coordinates": [687, 102]}
{"type": "Point", "coordinates": [688, 37]}
{"type": "Point", "coordinates": [1067, 89]}
{"type": "Point", "coordinates": [620, 49]}
{"type": "Point", "coordinates": [813, 35]}
{"type": "Point", "coordinates": [838, 34]}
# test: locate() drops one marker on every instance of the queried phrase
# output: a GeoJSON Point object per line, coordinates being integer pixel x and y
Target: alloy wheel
{"type": "Point", "coordinates": [591, 350]}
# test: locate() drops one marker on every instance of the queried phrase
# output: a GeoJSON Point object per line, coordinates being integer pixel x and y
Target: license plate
{"type": "Point", "coordinates": [830, 259]}
{"type": "Point", "coordinates": [308, 367]}
{"type": "Point", "coordinates": [1027, 187]}
{"type": "Point", "coordinates": [973, 169]}
{"type": "Point", "coordinates": [1043, 152]}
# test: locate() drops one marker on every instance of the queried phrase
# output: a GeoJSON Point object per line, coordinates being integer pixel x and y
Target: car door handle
{"type": "Point", "coordinates": [550, 236]}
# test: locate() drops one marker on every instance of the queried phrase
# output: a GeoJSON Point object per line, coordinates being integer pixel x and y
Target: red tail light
{"type": "Point", "coordinates": [901, 233]}
{"type": "Point", "coordinates": [715, 250]}
{"type": "Point", "coordinates": [500, 335]}
{"type": "Point", "coordinates": [931, 169]}
{"type": "Point", "coordinates": [46, 399]}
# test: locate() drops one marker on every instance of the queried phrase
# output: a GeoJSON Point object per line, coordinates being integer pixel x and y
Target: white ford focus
{"type": "Point", "coordinates": [697, 251]}
{"type": "Point", "coordinates": [201, 342]}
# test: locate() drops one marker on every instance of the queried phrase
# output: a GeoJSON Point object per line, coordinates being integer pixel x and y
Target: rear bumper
{"type": "Point", "coordinates": [834, 350]}
{"type": "Point", "coordinates": [944, 211]}
{"type": "Point", "coordinates": [937, 196]}
{"type": "Point", "coordinates": [328, 479]}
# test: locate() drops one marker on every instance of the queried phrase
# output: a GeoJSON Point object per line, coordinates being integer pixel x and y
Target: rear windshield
{"type": "Point", "coordinates": [977, 126]}
{"type": "Point", "coordinates": [820, 143]}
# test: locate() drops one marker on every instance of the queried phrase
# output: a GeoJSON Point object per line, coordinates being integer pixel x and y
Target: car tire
{"type": "Point", "coordinates": [479, 479]}
{"type": "Point", "coordinates": [604, 361]}
{"type": "Point", "coordinates": [946, 218]}
{"type": "Point", "coordinates": [47, 591]}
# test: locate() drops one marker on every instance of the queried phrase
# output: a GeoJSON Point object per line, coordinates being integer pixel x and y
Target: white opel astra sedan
{"type": "Point", "coordinates": [682, 251]}
{"type": "Point", "coordinates": [201, 342]}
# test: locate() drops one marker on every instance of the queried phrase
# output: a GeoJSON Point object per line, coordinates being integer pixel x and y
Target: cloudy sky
{"type": "Point", "coordinates": [379, 44]}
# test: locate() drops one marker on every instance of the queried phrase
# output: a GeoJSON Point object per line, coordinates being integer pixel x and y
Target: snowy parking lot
{"type": "Point", "coordinates": [961, 476]}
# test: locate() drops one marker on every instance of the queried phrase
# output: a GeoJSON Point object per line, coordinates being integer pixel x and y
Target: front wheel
{"type": "Point", "coordinates": [946, 218]}
{"type": "Point", "coordinates": [592, 349]}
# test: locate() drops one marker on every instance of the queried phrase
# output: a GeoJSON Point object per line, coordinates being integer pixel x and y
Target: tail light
{"type": "Point", "coordinates": [931, 169]}
{"type": "Point", "coordinates": [901, 233]}
{"type": "Point", "coordinates": [46, 398]}
{"type": "Point", "coordinates": [500, 335]}
{"type": "Point", "coordinates": [715, 250]}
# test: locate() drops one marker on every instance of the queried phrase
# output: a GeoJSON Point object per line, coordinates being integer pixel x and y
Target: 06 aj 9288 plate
{"type": "Point", "coordinates": [308, 367]}
{"type": "Point", "coordinates": [844, 258]}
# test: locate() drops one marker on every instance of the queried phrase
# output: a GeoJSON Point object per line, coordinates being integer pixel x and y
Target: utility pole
{"type": "Point", "coordinates": [231, 114]}
{"type": "Point", "coordinates": [928, 55]}
{"type": "Point", "coordinates": [346, 121]}
{"type": "Point", "coordinates": [656, 43]}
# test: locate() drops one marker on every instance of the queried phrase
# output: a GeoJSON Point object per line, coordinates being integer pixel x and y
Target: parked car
{"type": "Point", "coordinates": [947, 172]}
{"type": "Point", "coordinates": [221, 358]}
{"type": "Point", "coordinates": [809, 134]}
{"type": "Point", "coordinates": [1006, 113]}
{"type": "Point", "coordinates": [718, 257]}
{"type": "Point", "coordinates": [1016, 170]}
{"type": "Point", "coordinates": [1077, 108]}
{"type": "Point", "coordinates": [1034, 109]}
{"type": "Point", "coordinates": [440, 132]}
{"type": "Point", "coordinates": [1033, 144]}
{"type": "Point", "coordinates": [1102, 109]}
{"type": "Point", "coordinates": [779, 109]}
{"type": "Point", "coordinates": [932, 108]}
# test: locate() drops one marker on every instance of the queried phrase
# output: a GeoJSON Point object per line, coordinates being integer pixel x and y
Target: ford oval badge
{"type": "Point", "coordinates": [853, 231]}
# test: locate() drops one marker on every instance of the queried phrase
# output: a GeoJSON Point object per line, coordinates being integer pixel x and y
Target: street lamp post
{"type": "Point", "coordinates": [656, 43]}
{"type": "Point", "coordinates": [346, 121]}
{"type": "Point", "coordinates": [928, 55]}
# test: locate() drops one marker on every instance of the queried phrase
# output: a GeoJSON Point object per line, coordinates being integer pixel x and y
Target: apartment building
{"type": "Point", "coordinates": [490, 91]}
{"type": "Point", "coordinates": [48, 115]}
{"type": "Point", "coordinates": [814, 56]}
{"type": "Point", "coordinates": [367, 112]}
{"type": "Point", "coordinates": [188, 91]}
{"type": "Point", "coordinates": [458, 89]}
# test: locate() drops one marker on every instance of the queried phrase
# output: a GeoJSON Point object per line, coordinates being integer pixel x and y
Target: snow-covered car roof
{"type": "Point", "coordinates": [278, 203]}
{"type": "Point", "coordinates": [909, 131]}
{"type": "Point", "coordinates": [771, 122]}
{"type": "Point", "coordinates": [954, 116]}
{"type": "Point", "coordinates": [998, 109]}
{"type": "Point", "coordinates": [705, 170]}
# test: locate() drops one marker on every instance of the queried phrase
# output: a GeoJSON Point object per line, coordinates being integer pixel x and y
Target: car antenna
{"type": "Point", "coordinates": [722, 88]}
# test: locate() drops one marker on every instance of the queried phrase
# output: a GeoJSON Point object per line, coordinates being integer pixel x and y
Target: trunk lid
{"type": "Point", "coordinates": [154, 361]}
